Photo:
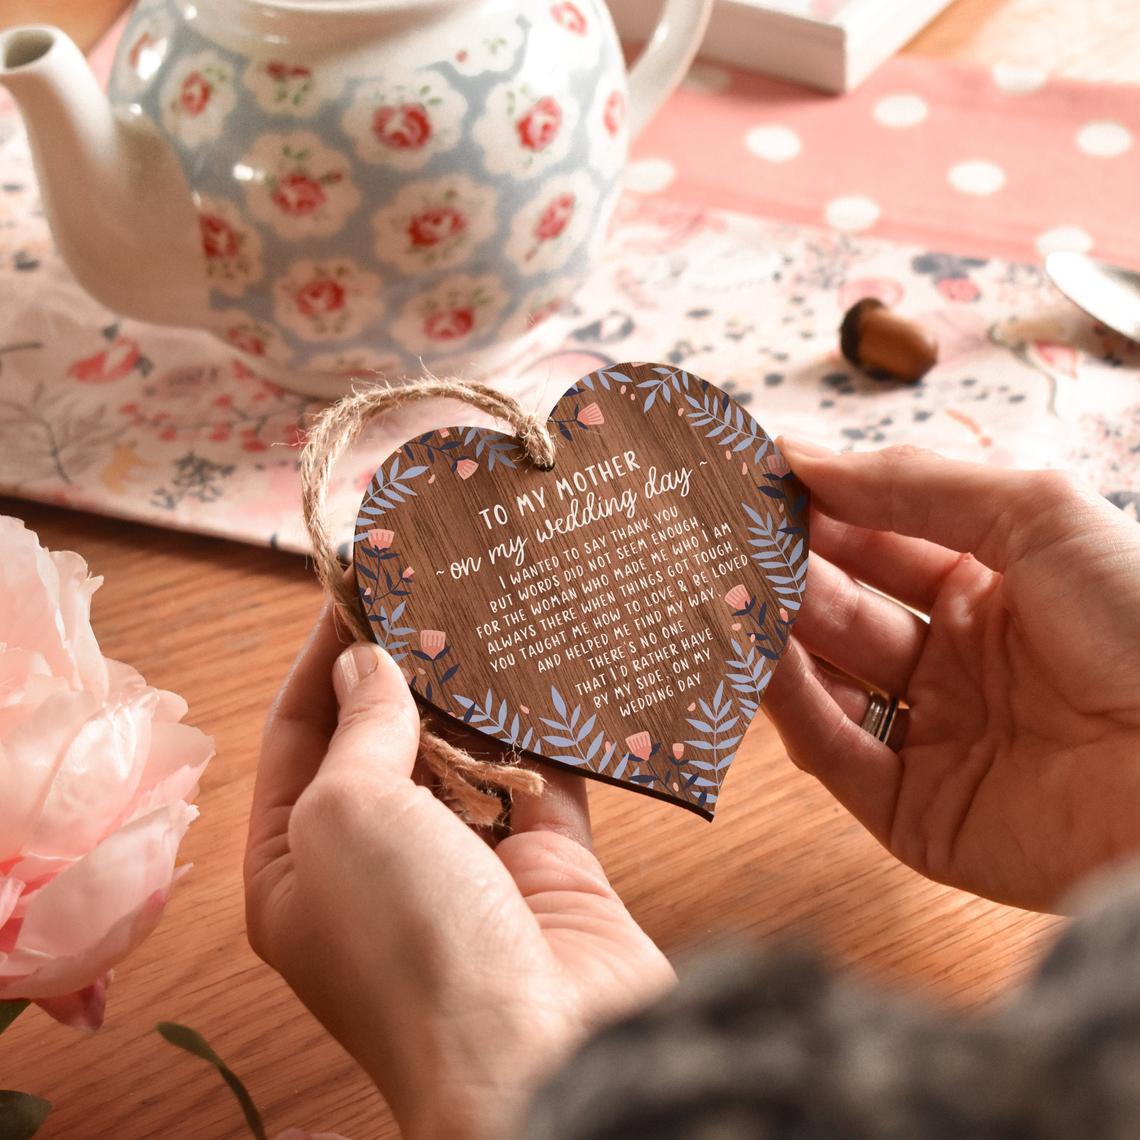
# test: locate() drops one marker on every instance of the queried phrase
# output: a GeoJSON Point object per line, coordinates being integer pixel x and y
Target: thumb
{"type": "Point", "coordinates": [378, 725]}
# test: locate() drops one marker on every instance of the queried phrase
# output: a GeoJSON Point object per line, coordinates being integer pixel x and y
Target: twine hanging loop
{"type": "Point", "coordinates": [475, 789]}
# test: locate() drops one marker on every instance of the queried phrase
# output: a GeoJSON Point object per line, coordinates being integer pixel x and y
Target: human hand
{"type": "Point", "coordinates": [1019, 772]}
{"type": "Point", "coordinates": [455, 973]}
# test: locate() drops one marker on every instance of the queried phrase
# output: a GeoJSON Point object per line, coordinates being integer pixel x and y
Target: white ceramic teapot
{"type": "Point", "coordinates": [333, 185]}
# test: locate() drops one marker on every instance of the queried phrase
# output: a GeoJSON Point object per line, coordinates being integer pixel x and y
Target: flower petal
{"type": "Point", "coordinates": [53, 614]}
{"type": "Point", "coordinates": [94, 913]}
{"type": "Point", "coordinates": [96, 780]}
{"type": "Point", "coordinates": [29, 758]}
{"type": "Point", "coordinates": [178, 756]}
{"type": "Point", "coordinates": [83, 1009]}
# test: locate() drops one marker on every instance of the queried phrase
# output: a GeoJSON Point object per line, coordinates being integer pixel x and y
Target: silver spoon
{"type": "Point", "coordinates": [1108, 293]}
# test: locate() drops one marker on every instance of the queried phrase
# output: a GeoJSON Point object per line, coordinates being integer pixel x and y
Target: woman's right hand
{"type": "Point", "coordinates": [1019, 772]}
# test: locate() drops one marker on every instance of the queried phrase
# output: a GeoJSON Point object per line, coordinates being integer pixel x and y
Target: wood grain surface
{"type": "Point", "coordinates": [580, 615]}
{"type": "Point", "coordinates": [220, 623]}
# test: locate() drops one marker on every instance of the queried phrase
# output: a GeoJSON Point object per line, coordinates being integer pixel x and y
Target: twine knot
{"type": "Point", "coordinates": [537, 442]}
{"type": "Point", "coordinates": [476, 789]}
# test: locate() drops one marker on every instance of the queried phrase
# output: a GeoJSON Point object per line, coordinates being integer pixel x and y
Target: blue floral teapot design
{"type": "Point", "coordinates": [342, 185]}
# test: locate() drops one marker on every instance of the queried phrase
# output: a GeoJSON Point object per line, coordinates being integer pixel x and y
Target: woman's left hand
{"type": "Point", "coordinates": [456, 974]}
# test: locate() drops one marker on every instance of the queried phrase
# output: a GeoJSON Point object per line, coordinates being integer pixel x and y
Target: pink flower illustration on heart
{"type": "Point", "coordinates": [639, 745]}
{"type": "Point", "coordinates": [678, 752]}
{"type": "Point", "coordinates": [194, 95]}
{"type": "Point", "coordinates": [777, 464]}
{"type": "Point", "coordinates": [465, 468]}
{"type": "Point", "coordinates": [738, 598]}
{"type": "Point", "coordinates": [570, 17]}
{"type": "Point", "coordinates": [406, 127]}
{"type": "Point", "coordinates": [380, 539]}
{"type": "Point", "coordinates": [555, 218]}
{"type": "Point", "coordinates": [539, 127]}
{"type": "Point", "coordinates": [433, 642]}
{"type": "Point", "coordinates": [613, 115]}
{"type": "Point", "coordinates": [408, 573]}
{"type": "Point", "coordinates": [591, 416]}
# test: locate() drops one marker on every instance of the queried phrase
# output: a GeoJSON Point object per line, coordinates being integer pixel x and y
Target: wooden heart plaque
{"type": "Point", "coordinates": [621, 614]}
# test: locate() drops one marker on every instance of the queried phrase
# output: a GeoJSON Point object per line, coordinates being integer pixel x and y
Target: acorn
{"type": "Point", "coordinates": [884, 344]}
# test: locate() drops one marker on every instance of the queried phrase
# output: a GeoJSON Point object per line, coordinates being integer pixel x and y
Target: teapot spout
{"type": "Point", "coordinates": [114, 195]}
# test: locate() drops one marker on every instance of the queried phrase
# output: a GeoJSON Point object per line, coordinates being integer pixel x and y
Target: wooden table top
{"type": "Point", "coordinates": [220, 623]}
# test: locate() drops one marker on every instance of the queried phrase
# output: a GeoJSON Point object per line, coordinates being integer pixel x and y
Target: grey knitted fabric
{"type": "Point", "coordinates": [772, 1045]}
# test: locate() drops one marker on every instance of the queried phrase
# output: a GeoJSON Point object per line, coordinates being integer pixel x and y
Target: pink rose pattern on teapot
{"type": "Point", "coordinates": [410, 213]}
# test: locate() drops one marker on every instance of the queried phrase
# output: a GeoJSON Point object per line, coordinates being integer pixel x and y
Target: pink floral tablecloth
{"type": "Point", "coordinates": [170, 427]}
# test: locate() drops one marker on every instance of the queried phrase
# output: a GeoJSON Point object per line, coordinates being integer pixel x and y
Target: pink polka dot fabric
{"type": "Point", "coordinates": [997, 162]}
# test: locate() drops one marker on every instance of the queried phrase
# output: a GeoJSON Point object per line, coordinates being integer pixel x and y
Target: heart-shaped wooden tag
{"type": "Point", "coordinates": [621, 614]}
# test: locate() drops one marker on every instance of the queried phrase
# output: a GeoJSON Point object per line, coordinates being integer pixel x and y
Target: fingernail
{"type": "Point", "coordinates": [351, 667]}
{"type": "Point", "coordinates": [795, 445]}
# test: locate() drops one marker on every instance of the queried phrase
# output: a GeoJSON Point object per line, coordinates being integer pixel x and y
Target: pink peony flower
{"type": "Point", "coordinates": [97, 775]}
{"type": "Point", "coordinates": [639, 745]}
{"type": "Point", "coordinates": [433, 642]}
{"type": "Point", "coordinates": [380, 539]}
{"type": "Point", "coordinates": [738, 598]}
{"type": "Point", "coordinates": [591, 416]}
{"type": "Point", "coordinates": [465, 468]}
